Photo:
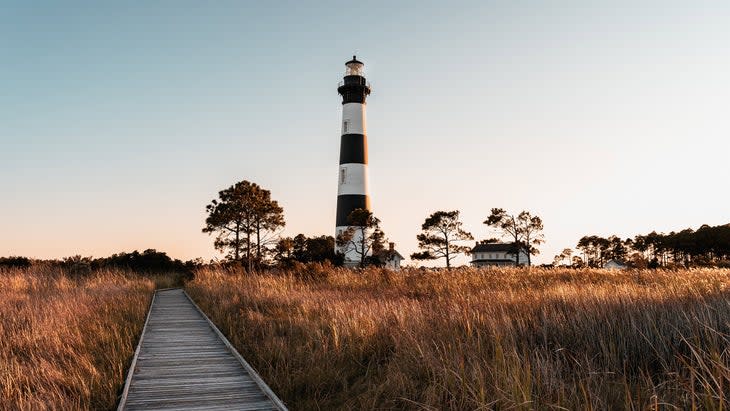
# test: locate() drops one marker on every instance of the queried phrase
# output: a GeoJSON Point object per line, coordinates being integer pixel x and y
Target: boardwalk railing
{"type": "Point", "coordinates": [183, 361]}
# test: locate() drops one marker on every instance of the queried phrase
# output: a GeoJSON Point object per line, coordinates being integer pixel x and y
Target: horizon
{"type": "Point", "coordinates": [122, 124]}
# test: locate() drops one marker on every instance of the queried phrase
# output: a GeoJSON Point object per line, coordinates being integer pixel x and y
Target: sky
{"type": "Point", "coordinates": [120, 121]}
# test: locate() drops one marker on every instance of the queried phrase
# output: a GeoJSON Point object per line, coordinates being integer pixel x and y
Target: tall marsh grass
{"type": "Point", "coordinates": [327, 338]}
{"type": "Point", "coordinates": [65, 343]}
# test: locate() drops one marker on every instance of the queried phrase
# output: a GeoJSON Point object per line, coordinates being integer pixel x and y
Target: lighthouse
{"type": "Point", "coordinates": [352, 180]}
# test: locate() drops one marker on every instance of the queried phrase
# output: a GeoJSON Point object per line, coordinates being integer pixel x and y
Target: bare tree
{"type": "Point", "coordinates": [362, 236]}
{"type": "Point", "coordinates": [441, 231]}
{"type": "Point", "coordinates": [530, 227]}
{"type": "Point", "coordinates": [524, 229]}
{"type": "Point", "coordinates": [567, 252]}
{"type": "Point", "coordinates": [507, 223]}
{"type": "Point", "coordinates": [268, 223]}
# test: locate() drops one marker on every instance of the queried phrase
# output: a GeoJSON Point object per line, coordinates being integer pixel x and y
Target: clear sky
{"type": "Point", "coordinates": [120, 122]}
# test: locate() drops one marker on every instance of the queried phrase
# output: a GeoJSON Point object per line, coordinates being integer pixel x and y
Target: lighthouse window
{"type": "Point", "coordinates": [345, 126]}
{"type": "Point", "coordinates": [342, 176]}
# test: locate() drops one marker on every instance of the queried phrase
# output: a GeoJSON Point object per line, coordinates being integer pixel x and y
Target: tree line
{"type": "Point", "coordinates": [149, 261]}
{"type": "Point", "coordinates": [706, 246]}
{"type": "Point", "coordinates": [246, 222]}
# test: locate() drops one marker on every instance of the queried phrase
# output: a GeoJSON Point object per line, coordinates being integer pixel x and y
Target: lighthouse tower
{"type": "Point", "coordinates": [352, 181]}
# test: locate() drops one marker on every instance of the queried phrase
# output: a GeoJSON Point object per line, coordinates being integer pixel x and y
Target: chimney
{"type": "Point", "coordinates": [392, 246]}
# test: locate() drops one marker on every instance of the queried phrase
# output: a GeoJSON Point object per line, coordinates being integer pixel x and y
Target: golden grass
{"type": "Point", "coordinates": [65, 344]}
{"type": "Point", "coordinates": [325, 338]}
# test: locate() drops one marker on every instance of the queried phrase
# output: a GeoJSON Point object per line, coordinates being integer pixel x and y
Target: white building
{"type": "Point", "coordinates": [614, 265]}
{"type": "Point", "coordinates": [496, 254]}
{"type": "Point", "coordinates": [391, 258]}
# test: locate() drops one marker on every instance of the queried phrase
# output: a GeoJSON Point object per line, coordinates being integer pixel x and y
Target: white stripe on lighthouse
{"type": "Point", "coordinates": [353, 118]}
{"type": "Point", "coordinates": [353, 179]}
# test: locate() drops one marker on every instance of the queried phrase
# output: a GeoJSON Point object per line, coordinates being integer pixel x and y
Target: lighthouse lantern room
{"type": "Point", "coordinates": [354, 67]}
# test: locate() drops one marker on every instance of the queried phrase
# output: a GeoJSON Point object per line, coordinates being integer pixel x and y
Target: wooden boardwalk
{"type": "Point", "coordinates": [183, 362]}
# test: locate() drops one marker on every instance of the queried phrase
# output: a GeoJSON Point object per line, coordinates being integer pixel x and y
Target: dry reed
{"type": "Point", "coordinates": [65, 343]}
{"type": "Point", "coordinates": [463, 339]}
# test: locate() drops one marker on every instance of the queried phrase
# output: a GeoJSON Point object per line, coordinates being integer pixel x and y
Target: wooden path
{"type": "Point", "coordinates": [183, 362]}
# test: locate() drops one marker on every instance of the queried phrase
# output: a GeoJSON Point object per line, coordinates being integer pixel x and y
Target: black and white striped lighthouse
{"type": "Point", "coordinates": [352, 181]}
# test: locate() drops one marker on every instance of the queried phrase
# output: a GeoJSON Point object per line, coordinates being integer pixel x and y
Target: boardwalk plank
{"type": "Point", "coordinates": [184, 363]}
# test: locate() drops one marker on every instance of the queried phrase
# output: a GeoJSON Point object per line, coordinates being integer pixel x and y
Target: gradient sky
{"type": "Point", "coordinates": [119, 123]}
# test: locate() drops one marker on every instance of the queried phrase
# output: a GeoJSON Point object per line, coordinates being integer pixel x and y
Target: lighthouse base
{"type": "Point", "coordinates": [351, 253]}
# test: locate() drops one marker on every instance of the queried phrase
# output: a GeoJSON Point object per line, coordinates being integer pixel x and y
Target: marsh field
{"type": "Point", "coordinates": [328, 338]}
{"type": "Point", "coordinates": [470, 339]}
{"type": "Point", "coordinates": [66, 342]}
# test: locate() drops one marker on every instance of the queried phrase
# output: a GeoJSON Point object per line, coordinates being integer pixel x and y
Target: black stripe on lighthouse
{"type": "Point", "coordinates": [354, 149]}
{"type": "Point", "coordinates": [347, 203]}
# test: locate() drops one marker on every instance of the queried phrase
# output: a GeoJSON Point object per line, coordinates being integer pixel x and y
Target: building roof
{"type": "Point", "coordinates": [390, 254]}
{"type": "Point", "coordinates": [615, 262]}
{"type": "Point", "coordinates": [397, 254]}
{"type": "Point", "coordinates": [354, 60]}
{"type": "Point", "coordinates": [491, 247]}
